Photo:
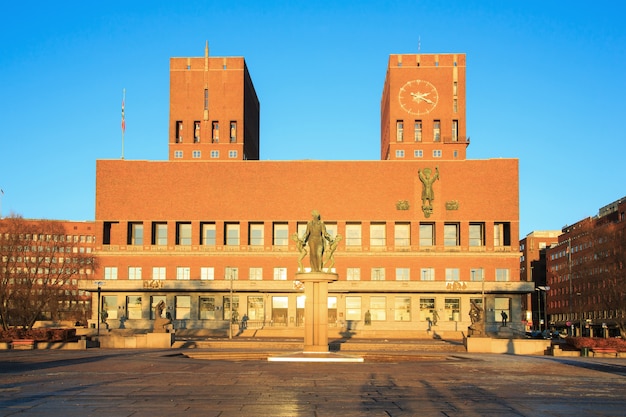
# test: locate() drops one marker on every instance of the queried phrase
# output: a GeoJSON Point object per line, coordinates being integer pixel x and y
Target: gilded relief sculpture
{"type": "Point", "coordinates": [428, 195]}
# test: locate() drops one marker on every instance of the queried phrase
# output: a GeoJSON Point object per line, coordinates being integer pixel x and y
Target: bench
{"type": "Point", "coordinates": [604, 350]}
{"type": "Point", "coordinates": [23, 344]}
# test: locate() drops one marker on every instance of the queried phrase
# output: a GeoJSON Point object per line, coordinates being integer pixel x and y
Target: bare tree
{"type": "Point", "coordinates": [40, 268]}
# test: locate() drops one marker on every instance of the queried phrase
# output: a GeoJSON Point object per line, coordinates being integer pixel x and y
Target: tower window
{"type": "Point", "coordinates": [178, 154]}
{"type": "Point", "coordinates": [196, 132]}
{"type": "Point", "coordinates": [399, 131]}
{"type": "Point", "coordinates": [215, 132]}
{"type": "Point", "coordinates": [399, 153]}
{"type": "Point", "coordinates": [418, 131]}
{"type": "Point", "coordinates": [437, 131]}
{"type": "Point", "coordinates": [179, 131]}
{"type": "Point", "coordinates": [233, 132]}
{"type": "Point", "coordinates": [455, 131]}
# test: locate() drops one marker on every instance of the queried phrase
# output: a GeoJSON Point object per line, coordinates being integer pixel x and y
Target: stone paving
{"type": "Point", "coordinates": [99, 382]}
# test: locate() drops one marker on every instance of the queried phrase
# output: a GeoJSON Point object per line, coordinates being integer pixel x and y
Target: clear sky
{"type": "Point", "coordinates": [546, 83]}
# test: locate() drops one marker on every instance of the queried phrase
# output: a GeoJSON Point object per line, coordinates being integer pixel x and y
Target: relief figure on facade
{"type": "Point", "coordinates": [428, 195]}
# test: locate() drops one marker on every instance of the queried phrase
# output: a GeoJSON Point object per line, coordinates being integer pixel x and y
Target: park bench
{"type": "Point", "coordinates": [604, 350]}
{"type": "Point", "coordinates": [23, 344]}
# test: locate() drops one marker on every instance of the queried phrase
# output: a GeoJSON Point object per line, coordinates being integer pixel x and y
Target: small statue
{"type": "Point", "coordinates": [314, 235]}
{"type": "Point", "coordinates": [301, 248]}
{"type": "Point", "coordinates": [332, 247]}
{"type": "Point", "coordinates": [160, 323]}
{"type": "Point", "coordinates": [428, 195]}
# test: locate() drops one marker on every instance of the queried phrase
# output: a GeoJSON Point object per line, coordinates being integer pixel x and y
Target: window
{"type": "Point", "coordinates": [196, 131]}
{"type": "Point", "coordinates": [215, 154]}
{"type": "Point", "coordinates": [452, 274]}
{"type": "Point", "coordinates": [158, 272]}
{"type": "Point", "coordinates": [135, 234]}
{"type": "Point", "coordinates": [452, 307]}
{"type": "Point", "coordinates": [418, 153]}
{"type": "Point", "coordinates": [399, 131]}
{"type": "Point", "coordinates": [206, 100]}
{"type": "Point", "coordinates": [331, 229]}
{"type": "Point", "coordinates": [133, 307]}
{"type": "Point", "coordinates": [179, 131]}
{"type": "Point", "coordinates": [454, 87]}
{"type": "Point", "coordinates": [230, 310]}
{"type": "Point", "coordinates": [183, 307]}
{"type": "Point", "coordinates": [232, 154]}
{"type": "Point", "coordinates": [231, 274]}
{"type": "Point", "coordinates": [427, 274]}
{"type": "Point", "coordinates": [476, 274]}
{"type": "Point", "coordinates": [196, 154]}
{"type": "Point", "coordinates": [403, 274]}
{"type": "Point", "coordinates": [280, 308]}
{"type": "Point", "coordinates": [256, 274]}
{"type": "Point", "coordinates": [280, 274]}
{"type": "Point", "coordinates": [110, 272]}
{"type": "Point", "coordinates": [451, 234]}
{"type": "Point", "coordinates": [208, 234]}
{"type": "Point", "coordinates": [399, 153]}
{"type": "Point", "coordinates": [159, 234]}
{"type": "Point", "coordinates": [477, 234]}
{"type": "Point", "coordinates": [232, 234]}
{"type": "Point", "coordinates": [402, 235]}
{"type": "Point", "coordinates": [353, 274]}
{"type": "Point", "coordinates": [332, 310]}
{"type": "Point", "coordinates": [436, 153]}
{"type": "Point", "coordinates": [255, 236]}
{"type": "Point", "coordinates": [378, 308]}
{"type": "Point", "coordinates": [215, 132]}
{"type": "Point", "coordinates": [418, 131]}
{"type": "Point", "coordinates": [207, 273]}
{"type": "Point", "coordinates": [402, 308]}
{"type": "Point", "coordinates": [427, 234]}
{"type": "Point", "coordinates": [109, 306]}
{"type": "Point", "coordinates": [233, 132]}
{"type": "Point", "coordinates": [178, 154]}
{"type": "Point", "coordinates": [455, 131]}
{"type": "Point", "coordinates": [353, 308]}
{"type": "Point", "coordinates": [353, 234]}
{"type": "Point", "coordinates": [206, 308]}
{"type": "Point", "coordinates": [502, 305]}
{"type": "Point", "coordinates": [182, 273]}
{"type": "Point", "coordinates": [378, 234]}
{"type": "Point", "coordinates": [455, 105]}
{"type": "Point", "coordinates": [134, 272]}
{"type": "Point", "coordinates": [502, 234]}
{"type": "Point", "coordinates": [256, 308]}
{"type": "Point", "coordinates": [502, 274]}
{"type": "Point", "coordinates": [281, 234]}
{"type": "Point", "coordinates": [378, 274]}
{"type": "Point", "coordinates": [183, 234]}
{"type": "Point", "coordinates": [437, 131]}
{"type": "Point", "coordinates": [427, 309]}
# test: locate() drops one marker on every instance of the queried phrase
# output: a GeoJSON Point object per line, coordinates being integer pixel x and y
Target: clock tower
{"type": "Point", "coordinates": [423, 108]}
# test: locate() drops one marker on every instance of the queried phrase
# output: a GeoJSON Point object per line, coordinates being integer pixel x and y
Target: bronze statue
{"type": "Point", "coordinates": [332, 247]}
{"type": "Point", "coordinates": [301, 248]}
{"type": "Point", "coordinates": [159, 322]}
{"type": "Point", "coordinates": [314, 235]}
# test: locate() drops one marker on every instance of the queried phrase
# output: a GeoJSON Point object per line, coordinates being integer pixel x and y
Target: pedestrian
{"type": "Point", "coordinates": [504, 318]}
{"type": "Point", "coordinates": [244, 322]}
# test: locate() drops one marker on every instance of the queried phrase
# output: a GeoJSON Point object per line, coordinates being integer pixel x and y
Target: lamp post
{"type": "Point", "coordinates": [99, 284]}
{"type": "Point", "coordinates": [230, 321]}
{"type": "Point", "coordinates": [580, 314]}
{"type": "Point", "coordinates": [545, 289]}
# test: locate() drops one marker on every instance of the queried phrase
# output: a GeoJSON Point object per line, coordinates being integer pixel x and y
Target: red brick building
{"type": "Point", "coordinates": [424, 229]}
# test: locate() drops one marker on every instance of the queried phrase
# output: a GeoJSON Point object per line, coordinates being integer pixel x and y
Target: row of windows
{"type": "Point", "coordinates": [418, 132]}
{"type": "Point", "coordinates": [51, 238]}
{"type": "Point", "coordinates": [419, 153]}
{"type": "Point", "coordinates": [47, 249]}
{"type": "Point", "coordinates": [215, 131]}
{"type": "Point", "coordinates": [374, 308]}
{"type": "Point", "coordinates": [215, 154]}
{"type": "Point", "coordinates": [280, 274]}
{"type": "Point", "coordinates": [352, 234]}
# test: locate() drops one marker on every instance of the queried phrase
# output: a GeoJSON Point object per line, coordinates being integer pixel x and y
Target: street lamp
{"type": "Point", "coordinates": [545, 289]}
{"type": "Point", "coordinates": [580, 314]}
{"type": "Point", "coordinates": [230, 320]}
{"type": "Point", "coordinates": [99, 284]}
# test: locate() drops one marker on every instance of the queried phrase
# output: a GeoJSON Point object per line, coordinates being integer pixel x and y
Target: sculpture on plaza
{"type": "Point", "coordinates": [160, 323]}
{"type": "Point", "coordinates": [477, 318]}
{"type": "Point", "coordinates": [317, 239]}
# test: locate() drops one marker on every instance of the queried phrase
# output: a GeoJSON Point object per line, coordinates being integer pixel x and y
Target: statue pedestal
{"type": "Point", "coordinates": [316, 310]}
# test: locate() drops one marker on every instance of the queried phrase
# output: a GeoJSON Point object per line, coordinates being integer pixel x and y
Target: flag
{"type": "Point", "coordinates": [123, 118]}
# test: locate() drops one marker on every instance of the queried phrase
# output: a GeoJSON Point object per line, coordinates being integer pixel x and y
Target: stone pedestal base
{"type": "Point", "coordinates": [159, 340]}
{"type": "Point", "coordinates": [316, 310]}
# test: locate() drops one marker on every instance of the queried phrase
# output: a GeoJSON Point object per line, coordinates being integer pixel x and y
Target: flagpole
{"type": "Point", "coordinates": [123, 120]}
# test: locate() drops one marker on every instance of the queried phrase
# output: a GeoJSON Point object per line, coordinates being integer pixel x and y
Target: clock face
{"type": "Point", "coordinates": [418, 97]}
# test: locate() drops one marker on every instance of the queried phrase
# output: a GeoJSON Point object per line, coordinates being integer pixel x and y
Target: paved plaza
{"type": "Point", "coordinates": [100, 382]}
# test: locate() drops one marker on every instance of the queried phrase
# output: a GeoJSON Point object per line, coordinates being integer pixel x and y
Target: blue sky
{"type": "Point", "coordinates": [545, 84]}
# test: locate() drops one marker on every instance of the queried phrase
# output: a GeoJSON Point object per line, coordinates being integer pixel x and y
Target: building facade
{"type": "Point", "coordinates": [424, 230]}
{"type": "Point", "coordinates": [533, 269]}
{"type": "Point", "coordinates": [585, 273]}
